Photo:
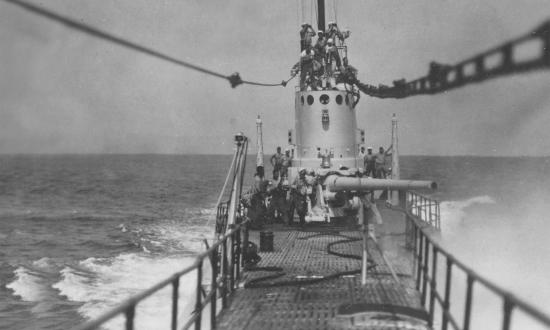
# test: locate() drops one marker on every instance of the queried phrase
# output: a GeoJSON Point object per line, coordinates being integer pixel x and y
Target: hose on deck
{"type": "Point", "coordinates": [261, 282]}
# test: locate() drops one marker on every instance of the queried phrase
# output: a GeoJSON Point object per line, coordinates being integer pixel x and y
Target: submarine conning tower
{"type": "Point", "coordinates": [325, 129]}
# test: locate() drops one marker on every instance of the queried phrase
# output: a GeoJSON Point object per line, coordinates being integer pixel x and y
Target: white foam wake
{"type": "Point", "coordinates": [29, 284]}
{"type": "Point", "coordinates": [453, 213]}
{"type": "Point", "coordinates": [102, 283]}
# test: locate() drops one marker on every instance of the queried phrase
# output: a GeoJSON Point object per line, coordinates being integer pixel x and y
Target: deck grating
{"type": "Point", "coordinates": [314, 306]}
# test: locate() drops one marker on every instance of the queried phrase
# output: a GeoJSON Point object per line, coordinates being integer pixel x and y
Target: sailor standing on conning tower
{"type": "Point", "coordinates": [306, 33]}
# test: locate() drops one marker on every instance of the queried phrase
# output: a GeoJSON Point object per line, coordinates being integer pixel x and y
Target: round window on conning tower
{"type": "Point", "coordinates": [324, 99]}
{"type": "Point", "coordinates": [339, 99]}
{"type": "Point", "coordinates": [309, 99]}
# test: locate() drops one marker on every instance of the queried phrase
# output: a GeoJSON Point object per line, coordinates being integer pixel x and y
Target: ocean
{"type": "Point", "coordinates": [79, 233]}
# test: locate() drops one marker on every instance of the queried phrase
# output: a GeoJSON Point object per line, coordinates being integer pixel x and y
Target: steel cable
{"type": "Point", "coordinates": [234, 79]}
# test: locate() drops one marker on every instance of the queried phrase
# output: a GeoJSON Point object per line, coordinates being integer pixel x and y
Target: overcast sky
{"type": "Point", "coordinates": [65, 92]}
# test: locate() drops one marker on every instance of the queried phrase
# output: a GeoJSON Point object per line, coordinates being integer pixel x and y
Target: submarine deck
{"type": "Point", "coordinates": [283, 300]}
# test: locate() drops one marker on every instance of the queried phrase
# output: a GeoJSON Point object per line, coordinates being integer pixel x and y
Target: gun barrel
{"type": "Point", "coordinates": [337, 183]}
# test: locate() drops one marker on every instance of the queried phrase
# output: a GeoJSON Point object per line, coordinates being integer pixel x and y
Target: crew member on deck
{"type": "Point", "coordinates": [362, 152]}
{"type": "Point", "coordinates": [299, 195]}
{"type": "Point", "coordinates": [276, 161]}
{"type": "Point", "coordinates": [286, 162]}
{"type": "Point", "coordinates": [369, 161]}
{"type": "Point", "coordinates": [254, 201]}
{"type": "Point", "coordinates": [279, 205]}
{"type": "Point", "coordinates": [380, 162]}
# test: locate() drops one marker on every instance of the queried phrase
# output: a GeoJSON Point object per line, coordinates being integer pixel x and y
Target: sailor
{"type": "Point", "coordinates": [307, 66]}
{"type": "Point", "coordinates": [362, 152]}
{"type": "Point", "coordinates": [320, 45]}
{"type": "Point", "coordinates": [332, 61]}
{"type": "Point", "coordinates": [299, 195]}
{"type": "Point", "coordinates": [276, 162]}
{"type": "Point", "coordinates": [286, 162]}
{"type": "Point", "coordinates": [254, 201]}
{"type": "Point", "coordinates": [380, 162]}
{"type": "Point", "coordinates": [368, 162]}
{"type": "Point", "coordinates": [333, 32]}
{"type": "Point", "coordinates": [349, 73]}
{"type": "Point", "coordinates": [306, 33]}
{"type": "Point", "coordinates": [279, 205]}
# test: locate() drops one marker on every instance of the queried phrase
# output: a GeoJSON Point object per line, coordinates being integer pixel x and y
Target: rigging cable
{"type": "Point", "coordinates": [442, 77]}
{"type": "Point", "coordinates": [234, 79]}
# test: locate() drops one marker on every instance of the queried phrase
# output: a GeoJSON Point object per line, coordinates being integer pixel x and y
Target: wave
{"type": "Point", "coordinates": [168, 237]}
{"type": "Point", "coordinates": [101, 283]}
{"type": "Point", "coordinates": [29, 284]}
{"type": "Point", "coordinates": [453, 213]}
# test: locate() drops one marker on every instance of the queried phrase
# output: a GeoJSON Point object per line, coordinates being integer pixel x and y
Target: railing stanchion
{"type": "Point", "coordinates": [468, 303]}
{"type": "Point", "coordinates": [130, 313]}
{"type": "Point", "coordinates": [447, 302]}
{"type": "Point", "coordinates": [213, 287]}
{"type": "Point", "coordinates": [232, 263]}
{"type": "Point", "coordinates": [244, 245]}
{"type": "Point", "coordinates": [433, 285]}
{"type": "Point", "coordinates": [238, 257]}
{"type": "Point", "coordinates": [224, 274]}
{"type": "Point", "coordinates": [425, 270]}
{"type": "Point", "coordinates": [198, 302]}
{"type": "Point", "coordinates": [419, 260]}
{"type": "Point", "coordinates": [175, 297]}
{"type": "Point", "coordinates": [507, 313]}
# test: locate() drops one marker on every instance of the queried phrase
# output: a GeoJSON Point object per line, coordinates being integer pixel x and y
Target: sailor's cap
{"type": "Point", "coordinates": [369, 148]}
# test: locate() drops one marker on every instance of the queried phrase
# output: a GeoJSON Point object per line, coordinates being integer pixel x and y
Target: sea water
{"type": "Point", "coordinates": [79, 233]}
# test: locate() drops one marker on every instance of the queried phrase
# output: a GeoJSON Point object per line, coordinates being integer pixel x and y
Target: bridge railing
{"type": "Point", "coordinates": [428, 254]}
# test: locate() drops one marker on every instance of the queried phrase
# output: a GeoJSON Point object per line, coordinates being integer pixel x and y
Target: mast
{"type": "Point", "coordinates": [321, 15]}
{"type": "Point", "coordinates": [395, 175]}
{"type": "Point", "coordinates": [260, 146]}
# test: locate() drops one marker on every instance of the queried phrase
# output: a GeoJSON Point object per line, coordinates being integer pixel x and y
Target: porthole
{"type": "Point", "coordinates": [347, 100]}
{"type": "Point", "coordinates": [324, 99]}
{"type": "Point", "coordinates": [339, 99]}
{"type": "Point", "coordinates": [309, 99]}
{"type": "Point", "coordinates": [302, 99]}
